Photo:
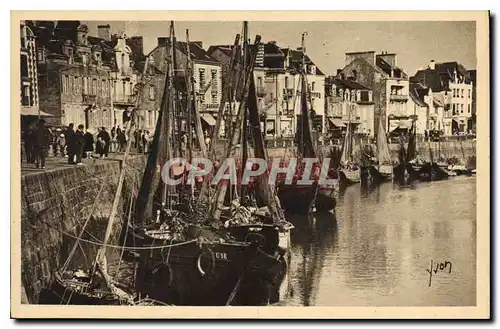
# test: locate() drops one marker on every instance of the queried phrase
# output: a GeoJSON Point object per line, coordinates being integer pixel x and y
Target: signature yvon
{"type": "Point", "coordinates": [438, 267]}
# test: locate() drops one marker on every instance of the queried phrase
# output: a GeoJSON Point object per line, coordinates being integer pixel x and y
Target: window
{"type": "Point", "coordinates": [454, 93]}
{"type": "Point", "coordinates": [94, 86]}
{"type": "Point", "coordinates": [104, 87]}
{"type": "Point", "coordinates": [123, 87]}
{"type": "Point", "coordinates": [286, 82]}
{"type": "Point", "coordinates": [468, 108]}
{"type": "Point", "coordinates": [461, 108]}
{"type": "Point", "coordinates": [214, 98]}
{"type": "Point", "coordinates": [131, 88]}
{"type": "Point", "coordinates": [65, 84]}
{"type": "Point", "coordinates": [85, 85]}
{"type": "Point", "coordinates": [40, 55]}
{"type": "Point", "coordinates": [123, 62]}
{"type": "Point", "coordinates": [214, 80]}
{"type": "Point", "coordinates": [312, 86]}
{"type": "Point", "coordinates": [24, 66]}
{"type": "Point", "coordinates": [462, 93]}
{"type": "Point", "coordinates": [202, 78]}
{"type": "Point", "coordinates": [152, 92]}
{"type": "Point", "coordinates": [259, 81]}
{"type": "Point", "coordinates": [25, 96]}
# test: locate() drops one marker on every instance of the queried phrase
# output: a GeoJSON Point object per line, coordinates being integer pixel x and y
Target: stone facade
{"type": "Point", "coordinates": [379, 73]}
{"type": "Point", "coordinates": [29, 82]}
{"type": "Point", "coordinates": [92, 80]}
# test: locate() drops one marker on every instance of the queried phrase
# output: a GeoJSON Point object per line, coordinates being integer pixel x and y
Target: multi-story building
{"type": "Point", "coordinates": [29, 82]}
{"type": "Point", "coordinates": [207, 76]}
{"type": "Point", "coordinates": [88, 80]}
{"type": "Point", "coordinates": [349, 102]}
{"type": "Point", "coordinates": [452, 80]}
{"type": "Point", "coordinates": [277, 83]}
{"type": "Point", "coordinates": [388, 82]}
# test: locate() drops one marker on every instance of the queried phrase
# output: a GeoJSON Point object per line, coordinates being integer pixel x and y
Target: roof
{"type": "Point", "coordinates": [197, 52]}
{"type": "Point", "coordinates": [417, 93]}
{"type": "Point", "coordinates": [272, 49]}
{"type": "Point", "coordinates": [226, 49]}
{"type": "Point", "coordinates": [388, 68]}
{"type": "Point", "coordinates": [296, 60]}
{"type": "Point", "coordinates": [430, 79]}
{"type": "Point", "coordinates": [139, 66]}
{"type": "Point", "coordinates": [349, 84]}
{"type": "Point", "coordinates": [449, 67]}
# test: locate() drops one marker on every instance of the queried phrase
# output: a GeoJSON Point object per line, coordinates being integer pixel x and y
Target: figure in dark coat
{"type": "Point", "coordinates": [70, 143]}
{"type": "Point", "coordinates": [42, 139]}
{"type": "Point", "coordinates": [88, 147]}
{"type": "Point", "coordinates": [28, 145]}
{"type": "Point", "coordinates": [79, 144]}
{"type": "Point", "coordinates": [103, 142]}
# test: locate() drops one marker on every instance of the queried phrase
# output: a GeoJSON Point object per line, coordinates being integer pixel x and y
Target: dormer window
{"type": "Point", "coordinates": [341, 94]}
{"type": "Point", "coordinates": [312, 69]}
{"type": "Point", "coordinates": [334, 91]}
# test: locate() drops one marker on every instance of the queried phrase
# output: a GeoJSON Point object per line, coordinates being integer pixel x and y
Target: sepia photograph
{"type": "Point", "coordinates": [321, 165]}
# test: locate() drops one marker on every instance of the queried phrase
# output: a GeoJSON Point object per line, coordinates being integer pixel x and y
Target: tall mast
{"type": "Point", "coordinates": [222, 188]}
{"type": "Point", "coordinates": [189, 97]}
{"type": "Point", "coordinates": [227, 94]}
{"type": "Point", "coordinates": [176, 117]}
{"type": "Point", "coordinates": [244, 138]}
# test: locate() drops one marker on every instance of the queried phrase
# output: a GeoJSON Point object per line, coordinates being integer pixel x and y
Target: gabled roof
{"type": "Point", "coordinates": [431, 79]}
{"type": "Point", "coordinates": [272, 49]}
{"type": "Point", "coordinates": [417, 93]}
{"type": "Point", "coordinates": [197, 52]}
{"type": "Point", "coordinates": [449, 67]}
{"type": "Point", "coordinates": [388, 69]}
{"type": "Point", "coordinates": [296, 59]}
{"type": "Point", "coordinates": [226, 49]}
{"type": "Point", "coordinates": [348, 84]}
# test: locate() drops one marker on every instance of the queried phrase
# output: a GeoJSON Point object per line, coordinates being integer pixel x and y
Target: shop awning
{"type": "Point", "coordinates": [336, 122]}
{"type": "Point", "coordinates": [208, 118]}
{"type": "Point", "coordinates": [33, 111]}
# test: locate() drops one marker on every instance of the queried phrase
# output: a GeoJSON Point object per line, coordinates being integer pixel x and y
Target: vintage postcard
{"type": "Point", "coordinates": [286, 164]}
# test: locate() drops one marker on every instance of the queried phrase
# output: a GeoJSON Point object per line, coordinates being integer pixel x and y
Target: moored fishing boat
{"type": "Point", "coordinates": [214, 253]}
{"type": "Point", "coordinates": [297, 198]}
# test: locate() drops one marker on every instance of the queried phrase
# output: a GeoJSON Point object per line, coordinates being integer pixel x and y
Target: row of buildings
{"type": "Point", "coordinates": [94, 80]}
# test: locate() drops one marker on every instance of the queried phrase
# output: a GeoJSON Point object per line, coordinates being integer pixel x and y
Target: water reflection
{"type": "Point", "coordinates": [376, 250]}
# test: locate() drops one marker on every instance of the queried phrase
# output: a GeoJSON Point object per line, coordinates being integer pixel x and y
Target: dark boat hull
{"type": "Point", "coordinates": [371, 175]}
{"type": "Point", "coordinates": [405, 173]}
{"type": "Point", "coordinates": [61, 293]}
{"type": "Point", "coordinates": [431, 172]}
{"type": "Point", "coordinates": [207, 273]}
{"type": "Point", "coordinates": [296, 199]}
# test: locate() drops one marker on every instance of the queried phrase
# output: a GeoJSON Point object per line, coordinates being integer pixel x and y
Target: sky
{"type": "Point", "coordinates": [415, 43]}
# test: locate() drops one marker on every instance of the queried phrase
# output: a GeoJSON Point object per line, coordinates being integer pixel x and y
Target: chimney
{"type": "Point", "coordinates": [338, 72]}
{"type": "Point", "coordinates": [104, 32]}
{"type": "Point", "coordinates": [342, 76]}
{"type": "Point", "coordinates": [432, 65]}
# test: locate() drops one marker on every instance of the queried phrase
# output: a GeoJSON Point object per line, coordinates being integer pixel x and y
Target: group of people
{"type": "Point", "coordinates": [77, 144]}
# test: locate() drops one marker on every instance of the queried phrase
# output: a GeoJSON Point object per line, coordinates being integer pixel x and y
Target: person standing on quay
{"type": "Point", "coordinates": [42, 141]}
{"type": "Point", "coordinates": [103, 142]}
{"type": "Point", "coordinates": [70, 143]}
{"type": "Point", "coordinates": [28, 145]}
{"type": "Point", "coordinates": [79, 144]}
{"type": "Point", "coordinates": [89, 144]}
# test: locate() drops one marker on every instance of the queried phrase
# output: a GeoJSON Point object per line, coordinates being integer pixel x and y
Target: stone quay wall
{"type": "Point", "coordinates": [60, 200]}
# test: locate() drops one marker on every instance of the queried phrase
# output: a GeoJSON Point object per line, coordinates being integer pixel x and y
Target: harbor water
{"type": "Point", "coordinates": [377, 250]}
